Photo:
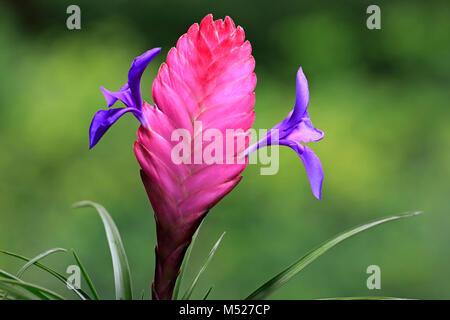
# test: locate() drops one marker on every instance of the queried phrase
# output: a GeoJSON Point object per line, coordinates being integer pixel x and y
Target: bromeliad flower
{"type": "Point", "coordinates": [129, 94]}
{"type": "Point", "coordinates": [295, 129]}
{"type": "Point", "coordinates": [208, 79]}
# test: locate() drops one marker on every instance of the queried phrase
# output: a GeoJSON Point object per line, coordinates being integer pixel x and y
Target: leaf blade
{"type": "Point", "coordinates": [122, 275]}
{"type": "Point", "coordinates": [9, 291]}
{"type": "Point", "coordinates": [8, 288]}
{"type": "Point", "coordinates": [83, 295]}
{"type": "Point", "coordinates": [184, 264]}
{"type": "Point", "coordinates": [33, 288]}
{"type": "Point", "coordinates": [86, 276]}
{"type": "Point", "coordinates": [280, 279]}
{"type": "Point", "coordinates": [37, 258]}
{"type": "Point", "coordinates": [207, 293]}
{"type": "Point", "coordinates": [188, 293]}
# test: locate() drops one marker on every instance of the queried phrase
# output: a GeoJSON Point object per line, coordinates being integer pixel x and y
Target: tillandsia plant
{"type": "Point", "coordinates": [203, 91]}
{"type": "Point", "coordinates": [208, 78]}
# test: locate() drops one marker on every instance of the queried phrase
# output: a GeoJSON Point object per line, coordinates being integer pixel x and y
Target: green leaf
{"type": "Point", "coordinates": [15, 292]}
{"type": "Point", "coordinates": [86, 276]}
{"type": "Point", "coordinates": [188, 293]}
{"type": "Point", "coordinates": [5, 293]}
{"type": "Point", "coordinates": [38, 291]}
{"type": "Point", "coordinates": [184, 264]}
{"type": "Point", "coordinates": [83, 295]}
{"type": "Point", "coordinates": [6, 296]}
{"type": "Point", "coordinates": [207, 293]}
{"type": "Point", "coordinates": [122, 277]}
{"type": "Point", "coordinates": [7, 275]}
{"type": "Point", "coordinates": [37, 258]}
{"type": "Point", "coordinates": [273, 284]}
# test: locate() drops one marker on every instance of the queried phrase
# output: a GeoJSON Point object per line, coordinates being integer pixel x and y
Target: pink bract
{"type": "Point", "coordinates": [208, 77]}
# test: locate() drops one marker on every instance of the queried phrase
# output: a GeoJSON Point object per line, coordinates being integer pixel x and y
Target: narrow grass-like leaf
{"type": "Point", "coordinates": [188, 293]}
{"type": "Point", "coordinates": [37, 258]}
{"type": "Point", "coordinates": [4, 274]}
{"type": "Point", "coordinates": [184, 264]}
{"type": "Point", "coordinates": [283, 277]}
{"type": "Point", "coordinates": [39, 291]}
{"type": "Point", "coordinates": [15, 292]}
{"type": "Point", "coordinates": [207, 293]}
{"type": "Point", "coordinates": [9, 276]}
{"type": "Point", "coordinates": [122, 276]}
{"type": "Point", "coordinates": [83, 295]}
{"type": "Point", "coordinates": [6, 296]}
{"type": "Point", "coordinates": [86, 276]}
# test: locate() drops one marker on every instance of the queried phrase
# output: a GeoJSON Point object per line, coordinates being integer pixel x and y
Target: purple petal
{"type": "Point", "coordinates": [103, 120]}
{"type": "Point", "coordinates": [135, 74]}
{"type": "Point", "coordinates": [130, 93]}
{"type": "Point", "coordinates": [312, 165]}
{"type": "Point", "coordinates": [294, 129]}
{"type": "Point", "coordinates": [305, 132]}
{"type": "Point", "coordinates": [301, 97]}
{"type": "Point", "coordinates": [123, 95]}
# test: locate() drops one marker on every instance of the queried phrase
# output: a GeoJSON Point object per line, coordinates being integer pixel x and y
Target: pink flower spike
{"type": "Point", "coordinates": [208, 79]}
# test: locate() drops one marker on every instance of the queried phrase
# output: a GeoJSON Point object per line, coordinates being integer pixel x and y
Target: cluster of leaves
{"type": "Point", "coordinates": [14, 287]}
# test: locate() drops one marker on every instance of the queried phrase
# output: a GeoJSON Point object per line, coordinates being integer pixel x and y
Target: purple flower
{"type": "Point", "coordinates": [295, 129]}
{"type": "Point", "coordinates": [129, 94]}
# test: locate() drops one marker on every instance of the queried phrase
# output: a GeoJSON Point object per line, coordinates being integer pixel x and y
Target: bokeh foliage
{"type": "Point", "coordinates": [380, 96]}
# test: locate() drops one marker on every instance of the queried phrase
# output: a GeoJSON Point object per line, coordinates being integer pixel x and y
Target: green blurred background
{"type": "Point", "coordinates": [381, 96]}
